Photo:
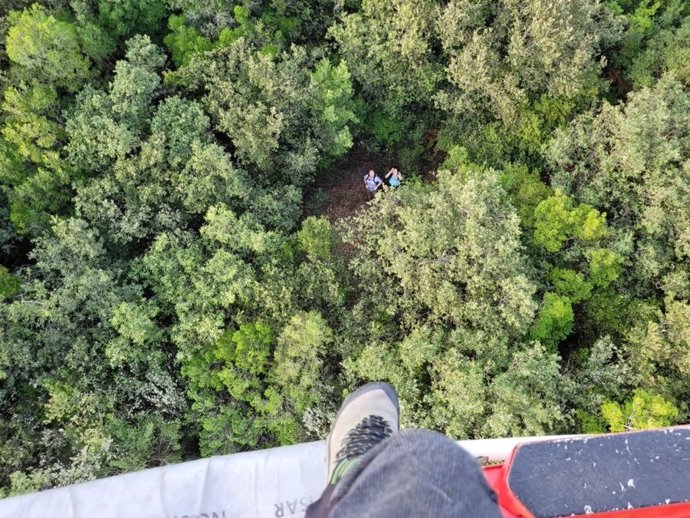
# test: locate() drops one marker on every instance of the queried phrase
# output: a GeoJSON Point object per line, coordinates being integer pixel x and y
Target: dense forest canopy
{"type": "Point", "coordinates": [171, 286]}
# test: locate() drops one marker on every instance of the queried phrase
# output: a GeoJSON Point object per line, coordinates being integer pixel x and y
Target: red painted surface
{"type": "Point", "coordinates": [511, 507]}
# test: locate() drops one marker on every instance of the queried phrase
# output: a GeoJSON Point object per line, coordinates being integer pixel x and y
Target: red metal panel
{"type": "Point", "coordinates": [512, 507]}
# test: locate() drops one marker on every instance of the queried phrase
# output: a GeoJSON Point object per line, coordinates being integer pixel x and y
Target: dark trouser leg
{"type": "Point", "coordinates": [413, 473]}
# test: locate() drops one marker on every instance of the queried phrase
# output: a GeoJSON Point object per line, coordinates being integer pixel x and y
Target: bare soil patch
{"type": "Point", "coordinates": [341, 192]}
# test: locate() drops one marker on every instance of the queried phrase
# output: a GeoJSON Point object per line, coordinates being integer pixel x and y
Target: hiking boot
{"type": "Point", "coordinates": [368, 416]}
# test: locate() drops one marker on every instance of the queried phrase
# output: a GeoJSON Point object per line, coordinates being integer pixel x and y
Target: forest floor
{"type": "Point", "coordinates": [341, 192]}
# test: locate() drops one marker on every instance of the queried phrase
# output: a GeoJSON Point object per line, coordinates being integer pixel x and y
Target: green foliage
{"type": "Point", "coordinates": [163, 294]}
{"type": "Point", "coordinates": [283, 116]}
{"type": "Point", "coordinates": [30, 125]}
{"type": "Point", "coordinates": [333, 101]}
{"type": "Point", "coordinates": [9, 284]}
{"type": "Point", "coordinates": [387, 130]}
{"type": "Point", "coordinates": [645, 410]}
{"type": "Point", "coordinates": [597, 373]}
{"type": "Point", "coordinates": [557, 220]}
{"type": "Point", "coordinates": [96, 43]}
{"type": "Point", "coordinates": [125, 18]}
{"type": "Point", "coordinates": [33, 167]}
{"type": "Point", "coordinates": [526, 191]}
{"type": "Point", "coordinates": [269, 33]}
{"type": "Point", "coordinates": [245, 234]}
{"type": "Point", "coordinates": [147, 443]}
{"type": "Point", "coordinates": [458, 396]}
{"type": "Point", "coordinates": [107, 126]}
{"type": "Point", "coordinates": [51, 56]}
{"type": "Point", "coordinates": [76, 392]}
{"type": "Point", "coordinates": [275, 22]}
{"type": "Point", "coordinates": [517, 70]}
{"type": "Point", "coordinates": [661, 349]}
{"type": "Point", "coordinates": [184, 41]}
{"type": "Point", "coordinates": [299, 361]}
{"type": "Point", "coordinates": [245, 354]}
{"type": "Point", "coordinates": [47, 49]}
{"type": "Point", "coordinates": [610, 313]}
{"type": "Point", "coordinates": [317, 238]}
{"type": "Point", "coordinates": [271, 382]}
{"type": "Point", "coordinates": [604, 266]}
{"type": "Point", "coordinates": [590, 423]}
{"type": "Point", "coordinates": [436, 284]}
{"type": "Point", "coordinates": [432, 267]}
{"type": "Point", "coordinates": [631, 161]}
{"type": "Point", "coordinates": [8, 237]}
{"type": "Point", "coordinates": [528, 395]}
{"type": "Point", "coordinates": [388, 48]}
{"type": "Point", "coordinates": [571, 284]}
{"type": "Point", "coordinates": [667, 52]}
{"type": "Point", "coordinates": [649, 25]}
{"type": "Point", "coordinates": [555, 320]}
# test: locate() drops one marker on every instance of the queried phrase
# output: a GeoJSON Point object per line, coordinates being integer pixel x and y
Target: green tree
{"type": "Point", "coordinates": [650, 26]}
{"type": "Point", "coordinates": [126, 18]}
{"type": "Point", "coordinates": [9, 284]}
{"type": "Point", "coordinates": [425, 252]}
{"type": "Point", "coordinates": [154, 167]}
{"type": "Point", "coordinates": [458, 397]}
{"type": "Point", "coordinates": [659, 351]}
{"type": "Point", "coordinates": [555, 320]}
{"type": "Point", "coordinates": [631, 162]}
{"type": "Point", "coordinates": [445, 301]}
{"type": "Point", "coordinates": [33, 170]}
{"type": "Point", "coordinates": [526, 191]}
{"type": "Point", "coordinates": [519, 69]}
{"type": "Point", "coordinates": [297, 374]}
{"type": "Point", "coordinates": [184, 41]}
{"type": "Point", "coordinates": [578, 258]}
{"type": "Point", "coordinates": [529, 396]}
{"type": "Point", "coordinates": [571, 284]}
{"type": "Point", "coordinates": [557, 221]}
{"type": "Point", "coordinates": [47, 49]}
{"type": "Point", "coordinates": [68, 381]}
{"type": "Point", "coordinates": [317, 238]}
{"type": "Point", "coordinates": [283, 115]}
{"type": "Point", "coordinates": [667, 52]}
{"type": "Point", "coordinates": [106, 126]}
{"type": "Point", "coordinates": [644, 410]}
{"type": "Point", "coordinates": [388, 46]}
{"type": "Point", "coordinates": [52, 54]}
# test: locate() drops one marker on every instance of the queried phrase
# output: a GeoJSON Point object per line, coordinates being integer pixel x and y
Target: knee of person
{"type": "Point", "coordinates": [424, 437]}
{"type": "Point", "coordinates": [435, 444]}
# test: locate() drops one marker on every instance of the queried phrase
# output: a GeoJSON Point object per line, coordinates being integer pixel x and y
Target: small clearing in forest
{"type": "Point", "coordinates": [340, 192]}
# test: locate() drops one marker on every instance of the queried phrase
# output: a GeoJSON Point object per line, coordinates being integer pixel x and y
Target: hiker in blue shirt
{"type": "Point", "coordinates": [395, 177]}
{"type": "Point", "coordinates": [372, 182]}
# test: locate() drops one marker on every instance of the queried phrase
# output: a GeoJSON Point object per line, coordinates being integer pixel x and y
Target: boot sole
{"type": "Point", "coordinates": [380, 385]}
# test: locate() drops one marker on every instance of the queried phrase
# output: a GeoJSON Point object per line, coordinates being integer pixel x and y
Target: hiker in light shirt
{"type": "Point", "coordinates": [372, 182]}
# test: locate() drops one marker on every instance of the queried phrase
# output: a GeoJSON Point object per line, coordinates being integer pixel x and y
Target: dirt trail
{"type": "Point", "coordinates": [341, 192]}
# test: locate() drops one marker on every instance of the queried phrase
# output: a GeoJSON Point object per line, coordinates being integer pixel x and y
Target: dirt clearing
{"type": "Point", "coordinates": [340, 192]}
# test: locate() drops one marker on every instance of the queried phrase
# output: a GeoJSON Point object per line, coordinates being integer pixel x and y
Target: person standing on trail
{"type": "Point", "coordinates": [372, 182]}
{"type": "Point", "coordinates": [395, 177]}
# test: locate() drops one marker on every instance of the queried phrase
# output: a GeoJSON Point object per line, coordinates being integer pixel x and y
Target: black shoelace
{"type": "Point", "coordinates": [368, 433]}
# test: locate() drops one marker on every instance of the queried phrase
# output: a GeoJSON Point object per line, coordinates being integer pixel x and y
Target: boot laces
{"type": "Point", "coordinates": [368, 433]}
